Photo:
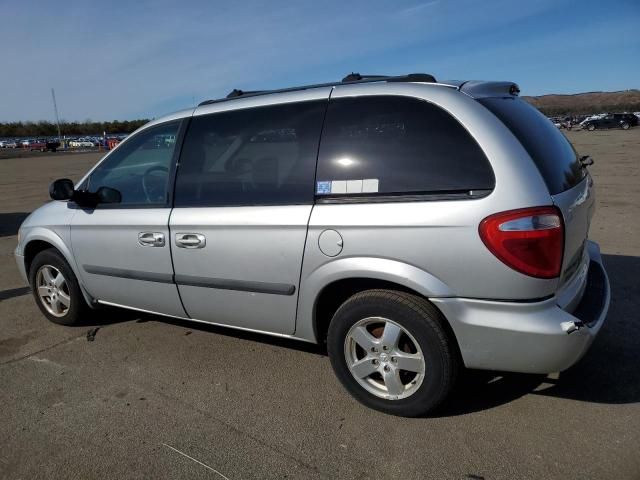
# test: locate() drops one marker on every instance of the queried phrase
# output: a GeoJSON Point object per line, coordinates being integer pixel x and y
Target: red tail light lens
{"type": "Point", "coordinates": [529, 240]}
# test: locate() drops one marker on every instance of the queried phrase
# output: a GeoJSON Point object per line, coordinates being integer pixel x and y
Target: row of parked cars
{"type": "Point", "coordinates": [600, 121]}
{"type": "Point", "coordinates": [53, 144]}
{"type": "Point", "coordinates": [43, 145]}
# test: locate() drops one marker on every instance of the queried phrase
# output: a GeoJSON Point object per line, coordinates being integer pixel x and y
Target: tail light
{"type": "Point", "coordinates": [529, 240]}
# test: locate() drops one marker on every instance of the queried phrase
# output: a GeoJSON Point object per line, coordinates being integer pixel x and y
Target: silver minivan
{"type": "Point", "coordinates": [416, 227]}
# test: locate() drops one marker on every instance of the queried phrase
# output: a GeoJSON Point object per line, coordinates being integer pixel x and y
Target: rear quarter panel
{"type": "Point", "coordinates": [438, 238]}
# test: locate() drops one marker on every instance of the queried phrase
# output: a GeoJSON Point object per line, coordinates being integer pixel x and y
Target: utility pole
{"type": "Point", "coordinates": [55, 109]}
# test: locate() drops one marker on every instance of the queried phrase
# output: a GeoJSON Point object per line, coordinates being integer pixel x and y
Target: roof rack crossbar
{"type": "Point", "coordinates": [349, 79]}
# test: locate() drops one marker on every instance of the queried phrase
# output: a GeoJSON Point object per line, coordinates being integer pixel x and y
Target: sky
{"type": "Point", "coordinates": [142, 59]}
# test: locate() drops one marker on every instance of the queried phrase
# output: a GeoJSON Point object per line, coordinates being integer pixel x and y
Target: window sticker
{"type": "Point", "coordinates": [333, 187]}
{"type": "Point", "coordinates": [323, 188]}
{"type": "Point", "coordinates": [338, 186]}
{"type": "Point", "coordinates": [354, 186]}
{"type": "Point", "coordinates": [370, 185]}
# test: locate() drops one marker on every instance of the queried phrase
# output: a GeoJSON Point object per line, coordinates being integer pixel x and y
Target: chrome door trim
{"type": "Point", "coordinates": [241, 285]}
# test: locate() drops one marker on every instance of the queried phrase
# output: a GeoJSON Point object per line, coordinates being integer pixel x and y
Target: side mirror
{"type": "Point", "coordinates": [61, 189]}
{"type": "Point", "coordinates": [108, 195]}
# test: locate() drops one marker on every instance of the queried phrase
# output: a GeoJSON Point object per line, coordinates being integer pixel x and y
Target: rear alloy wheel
{"type": "Point", "coordinates": [56, 289]}
{"type": "Point", "coordinates": [625, 126]}
{"type": "Point", "coordinates": [389, 349]}
{"type": "Point", "coordinates": [384, 358]}
{"type": "Point", "coordinates": [591, 127]}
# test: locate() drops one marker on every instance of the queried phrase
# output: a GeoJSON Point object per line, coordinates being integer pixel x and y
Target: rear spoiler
{"type": "Point", "coordinates": [480, 89]}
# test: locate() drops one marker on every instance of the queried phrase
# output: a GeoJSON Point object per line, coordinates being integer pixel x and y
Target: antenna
{"type": "Point", "coordinates": [55, 109]}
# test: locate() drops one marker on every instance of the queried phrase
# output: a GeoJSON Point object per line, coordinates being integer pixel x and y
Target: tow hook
{"type": "Point", "coordinates": [571, 327]}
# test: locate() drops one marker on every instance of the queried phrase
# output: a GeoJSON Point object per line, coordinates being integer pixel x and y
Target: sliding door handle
{"type": "Point", "coordinates": [190, 240]}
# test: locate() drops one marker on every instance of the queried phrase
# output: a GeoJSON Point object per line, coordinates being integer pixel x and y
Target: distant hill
{"type": "Point", "coordinates": [590, 102]}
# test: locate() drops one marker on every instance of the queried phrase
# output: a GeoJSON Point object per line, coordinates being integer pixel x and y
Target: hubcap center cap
{"type": "Point", "coordinates": [384, 357]}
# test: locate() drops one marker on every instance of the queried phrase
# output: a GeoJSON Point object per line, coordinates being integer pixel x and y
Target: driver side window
{"type": "Point", "coordinates": [140, 168]}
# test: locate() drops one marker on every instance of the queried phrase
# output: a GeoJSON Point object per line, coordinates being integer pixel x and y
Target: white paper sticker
{"type": "Point", "coordinates": [354, 186]}
{"type": "Point", "coordinates": [339, 186]}
{"type": "Point", "coordinates": [370, 185]}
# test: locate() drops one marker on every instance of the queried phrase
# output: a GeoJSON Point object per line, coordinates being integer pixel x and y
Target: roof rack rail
{"type": "Point", "coordinates": [238, 93]}
{"type": "Point", "coordinates": [356, 77]}
{"type": "Point", "coordinates": [411, 77]}
{"type": "Point", "coordinates": [350, 79]}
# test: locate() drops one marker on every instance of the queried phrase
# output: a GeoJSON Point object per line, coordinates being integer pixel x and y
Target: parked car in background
{"type": "Point", "coordinates": [44, 145]}
{"type": "Point", "coordinates": [11, 144]}
{"type": "Point", "coordinates": [3, 143]}
{"type": "Point", "coordinates": [590, 117]}
{"type": "Point", "coordinates": [612, 120]}
{"type": "Point", "coordinates": [81, 142]}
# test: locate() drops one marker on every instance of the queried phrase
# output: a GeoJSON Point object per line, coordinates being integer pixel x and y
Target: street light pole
{"type": "Point", "coordinates": [55, 109]}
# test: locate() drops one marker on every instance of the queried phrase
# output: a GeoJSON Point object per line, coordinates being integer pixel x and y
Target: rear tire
{"type": "Point", "coordinates": [591, 128]}
{"type": "Point", "coordinates": [56, 288]}
{"type": "Point", "coordinates": [389, 349]}
{"type": "Point", "coordinates": [625, 126]}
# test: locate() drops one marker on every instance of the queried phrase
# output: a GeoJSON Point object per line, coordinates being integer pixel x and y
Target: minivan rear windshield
{"type": "Point", "coordinates": [552, 153]}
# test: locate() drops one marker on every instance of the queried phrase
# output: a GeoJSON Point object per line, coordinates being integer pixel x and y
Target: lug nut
{"type": "Point", "coordinates": [385, 348]}
{"type": "Point", "coordinates": [386, 368]}
{"type": "Point", "coordinates": [374, 361]}
{"type": "Point", "coordinates": [394, 359]}
{"type": "Point", "coordinates": [374, 349]}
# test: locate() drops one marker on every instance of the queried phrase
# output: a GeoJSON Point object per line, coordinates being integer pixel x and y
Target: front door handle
{"type": "Point", "coordinates": [151, 239]}
{"type": "Point", "coordinates": [190, 240]}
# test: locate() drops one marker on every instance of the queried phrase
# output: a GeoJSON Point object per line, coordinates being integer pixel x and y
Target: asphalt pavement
{"type": "Point", "coordinates": [151, 397]}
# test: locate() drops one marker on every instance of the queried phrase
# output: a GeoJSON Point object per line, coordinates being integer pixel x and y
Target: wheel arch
{"type": "Point", "coordinates": [326, 288]}
{"type": "Point", "coordinates": [40, 239]}
{"type": "Point", "coordinates": [336, 293]}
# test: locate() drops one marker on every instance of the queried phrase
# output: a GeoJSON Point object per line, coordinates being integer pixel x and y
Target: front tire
{"type": "Point", "coordinates": [56, 289]}
{"type": "Point", "coordinates": [591, 128]}
{"type": "Point", "coordinates": [389, 349]}
{"type": "Point", "coordinates": [625, 126]}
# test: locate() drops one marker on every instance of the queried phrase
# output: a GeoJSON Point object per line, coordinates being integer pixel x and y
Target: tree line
{"type": "Point", "coordinates": [49, 129]}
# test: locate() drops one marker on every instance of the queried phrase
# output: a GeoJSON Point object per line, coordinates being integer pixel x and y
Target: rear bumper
{"type": "Point", "coordinates": [538, 337]}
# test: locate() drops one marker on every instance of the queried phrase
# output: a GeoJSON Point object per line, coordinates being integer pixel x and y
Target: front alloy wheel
{"type": "Point", "coordinates": [56, 289]}
{"type": "Point", "coordinates": [53, 290]}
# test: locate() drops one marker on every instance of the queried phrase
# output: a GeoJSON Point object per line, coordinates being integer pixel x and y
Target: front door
{"type": "Point", "coordinates": [123, 250]}
{"type": "Point", "coordinates": [244, 194]}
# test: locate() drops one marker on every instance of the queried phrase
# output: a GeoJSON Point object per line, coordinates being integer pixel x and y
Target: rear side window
{"type": "Point", "coordinates": [550, 150]}
{"type": "Point", "coordinates": [256, 156]}
{"type": "Point", "coordinates": [386, 145]}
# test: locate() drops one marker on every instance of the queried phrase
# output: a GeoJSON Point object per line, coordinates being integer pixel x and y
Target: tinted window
{"type": "Point", "coordinates": [257, 156]}
{"type": "Point", "coordinates": [140, 167]}
{"type": "Point", "coordinates": [552, 153]}
{"type": "Point", "coordinates": [391, 144]}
